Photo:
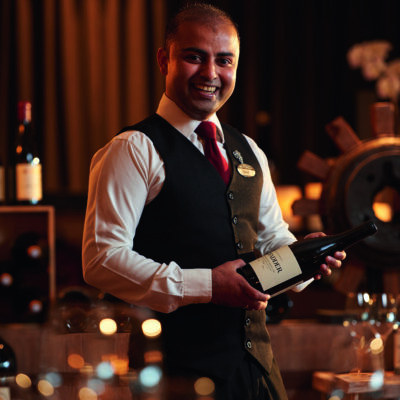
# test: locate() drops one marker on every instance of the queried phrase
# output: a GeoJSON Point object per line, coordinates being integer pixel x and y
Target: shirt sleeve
{"type": "Point", "coordinates": [124, 176]}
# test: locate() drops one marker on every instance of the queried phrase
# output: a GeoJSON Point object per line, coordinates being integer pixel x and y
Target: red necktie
{"type": "Point", "coordinates": [208, 131]}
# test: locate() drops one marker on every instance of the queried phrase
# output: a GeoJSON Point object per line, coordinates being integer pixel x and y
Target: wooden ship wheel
{"type": "Point", "coordinates": [366, 174]}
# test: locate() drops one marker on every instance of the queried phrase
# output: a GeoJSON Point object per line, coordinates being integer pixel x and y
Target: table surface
{"type": "Point", "coordinates": [353, 383]}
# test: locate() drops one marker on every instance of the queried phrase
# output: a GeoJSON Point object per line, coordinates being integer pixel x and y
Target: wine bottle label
{"type": "Point", "coordinates": [28, 182]}
{"type": "Point", "coordinates": [5, 393]}
{"type": "Point", "coordinates": [2, 184]}
{"type": "Point", "coordinates": [276, 267]}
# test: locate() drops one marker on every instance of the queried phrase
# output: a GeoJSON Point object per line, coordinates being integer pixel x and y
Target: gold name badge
{"type": "Point", "coordinates": [246, 170]}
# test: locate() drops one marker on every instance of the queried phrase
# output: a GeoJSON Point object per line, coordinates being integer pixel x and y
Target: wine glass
{"type": "Point", "coordinates": [356, 321]}
{"type": "Point", "coordinates": [382, 314]}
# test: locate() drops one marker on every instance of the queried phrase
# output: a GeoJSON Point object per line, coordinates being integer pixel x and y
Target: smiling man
{"type": "Point", "coordinates": [165, 230]}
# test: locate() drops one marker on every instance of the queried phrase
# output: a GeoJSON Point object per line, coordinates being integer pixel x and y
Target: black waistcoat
{"type": "Point", "coordinates": [199, 223]}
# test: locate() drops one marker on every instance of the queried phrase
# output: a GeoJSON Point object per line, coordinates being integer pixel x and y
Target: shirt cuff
{"type": "Point", "coordinates": [197, 286]}
{"type": "Point", "coordinates": [301, 286]}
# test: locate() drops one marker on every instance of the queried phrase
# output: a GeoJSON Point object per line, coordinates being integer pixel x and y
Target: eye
{"type": "Point", "coordinates": [225, 62]}
{"type": "Point", "coordinates": [193, 58]}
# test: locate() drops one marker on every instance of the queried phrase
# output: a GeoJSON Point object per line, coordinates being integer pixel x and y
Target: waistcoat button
{"type": "Point", "coordinates": [231, 196]}
{"type": "Point", "coordinates": [247, 322]}
{"type": "Point", "coordinates": [248, 344]}
{"type": "Point", "coordinates": [239, 245]}
{"type": "Point", "coordinates": [235, 220]}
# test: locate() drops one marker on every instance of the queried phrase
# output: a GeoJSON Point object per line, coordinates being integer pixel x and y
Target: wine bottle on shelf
{"type": "Point", "coordinates": [298, 262]}
{"type": "Point", "coordinates": [28, 169]}
{"type": "Point", "coordinates": [8, 369]}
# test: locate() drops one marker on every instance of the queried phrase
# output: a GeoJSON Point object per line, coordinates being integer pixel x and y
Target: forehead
{"type": "Point", "coordinates": [208, 35]}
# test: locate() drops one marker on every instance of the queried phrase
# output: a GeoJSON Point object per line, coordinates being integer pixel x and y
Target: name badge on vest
{"type": "Point", "coordinates": [245, 170]}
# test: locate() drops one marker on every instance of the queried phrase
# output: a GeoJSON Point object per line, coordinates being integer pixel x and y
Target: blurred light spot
{"type": "Point", "coordinates": [76, 361]}
{"type": "Point", "coordinates": [336, 395]}
{"type": "Point", "coordinates": [105, 370]}
{"type": "Point", "coordinates": [120, 366]}
{"type": "Point", "coordinates": [45, 388]}
{"type": "Point", "coordinates": [150, 376]}
{"type": "Point", "coordinates": [54, 378]}
{"type": "Point", "coordinates": [376, 381]}
{"type": "Point", "coordinates": [153, 357]}
{"type": "Point", "coordinates": [86, 369]}
{"type": "Point", "coordinates": [23, 381]}
{"type": "Point", "coordinates": [108, 326]}
{"type": "Point", "coordinates": [151, 328]}
{"type": "Point", "coordinates": [376, 346]}
{"type": "Point", "coordinates": [6, 279]}
{"type": "Point", "coordinates": [263, 118]}
{"type": "Point", "coordinates": [97, 386]}
{"type": "Point", "coordinates": [87, 394]}
{"type": "Point", "coordinates": [35, 306]}
{"type": "Point", "coordinates": [34, 251]}
{"type": "Point", "coordinates": [204, 386]}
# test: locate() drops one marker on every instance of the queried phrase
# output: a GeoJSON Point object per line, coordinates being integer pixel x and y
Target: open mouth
{"type": "Point", "coordinates": [206, 90]}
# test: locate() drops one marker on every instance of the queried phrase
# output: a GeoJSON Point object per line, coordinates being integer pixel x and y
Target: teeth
{"type": "Point", "coordinates": [210, 89]}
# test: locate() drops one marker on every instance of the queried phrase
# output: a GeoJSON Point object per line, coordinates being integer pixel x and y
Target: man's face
{"type": "Point", "coordinates": [200, 70]}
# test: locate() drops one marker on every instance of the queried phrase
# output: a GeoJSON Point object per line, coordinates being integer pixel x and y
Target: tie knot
{"type": "Point", "coordinates": [207, 130]}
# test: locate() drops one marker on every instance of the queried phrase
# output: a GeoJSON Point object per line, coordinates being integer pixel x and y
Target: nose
{"type": "Point", "coordinates": [209, 70]}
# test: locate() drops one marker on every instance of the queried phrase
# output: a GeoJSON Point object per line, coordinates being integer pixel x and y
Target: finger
{"type": "Point", "coordinates": [333, 262]}
{"type": "Point", "coordinates": [325, 269]}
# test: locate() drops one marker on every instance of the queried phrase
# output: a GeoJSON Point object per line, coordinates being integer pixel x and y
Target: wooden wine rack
{"type": "Point", "coordinates": [17, 220]}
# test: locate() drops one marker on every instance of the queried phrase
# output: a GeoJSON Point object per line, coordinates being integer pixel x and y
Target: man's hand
{"type": "Point", "coordinates": [231, 289]}
{"type": "Point", "coordinates": [330, 262]}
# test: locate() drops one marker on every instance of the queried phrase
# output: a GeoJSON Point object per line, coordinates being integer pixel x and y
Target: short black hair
{"type": "Point", "coordinates": [195, 12]}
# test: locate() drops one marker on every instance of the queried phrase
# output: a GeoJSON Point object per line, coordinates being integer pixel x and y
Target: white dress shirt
{"type": "Point", "coordinates": [125, 175]}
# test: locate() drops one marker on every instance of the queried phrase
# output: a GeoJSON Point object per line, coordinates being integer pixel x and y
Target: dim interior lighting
{"type": "Point", "coordinates": [108, 326]}
{"type": "Point", "coordinates": [151, 328]}
{"type": "Point", "coordinates": [76, 361]}
{"type": "Point", "coordinates": [204, 386]}
{"type": "Point", "coordinates": [376, 381]}
{"type": "Point", "coordinates": [6, 279]}
{"type": "Point", "coordinates": [36, 161]}
{"type": "Point", "coordinates": [86, 393]}
{"type": "Point", "coordinates": [105, 370]}
{"type": "Point", "coordinates": [45, 388]}
{"type": "Point", "coordinates": [150, 376]}
{"type": "Point", "coordinates": [313, 191]}
{"type": "Point", "coordinates": [386, 204]}
{"type": "Point", "coordinates": [23, 381]}
{"type": "Point", "coordinates": [286, 195]}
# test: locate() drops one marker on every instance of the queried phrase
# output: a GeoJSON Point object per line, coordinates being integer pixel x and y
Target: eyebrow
{"type": "Point", "coordinates": [198, 50]}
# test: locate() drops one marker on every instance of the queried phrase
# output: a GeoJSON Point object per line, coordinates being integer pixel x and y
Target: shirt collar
{"type": "Point", "coordinates": [170, 111]}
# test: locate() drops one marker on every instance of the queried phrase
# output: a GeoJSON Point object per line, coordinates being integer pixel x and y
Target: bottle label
{"type": "Point", "coordinates": [28, 182]}
{"type": "Point", "coordinates": [2, 184]}
{"type": "Point", "coordinates": [276, 267]}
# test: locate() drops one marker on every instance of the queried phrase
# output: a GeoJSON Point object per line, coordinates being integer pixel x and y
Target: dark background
{"type": "Point", "coordinates": [293, 79]}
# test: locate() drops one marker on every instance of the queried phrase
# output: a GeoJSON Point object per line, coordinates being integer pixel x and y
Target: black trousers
{"type": "Point", "coordinates": [249, 382]}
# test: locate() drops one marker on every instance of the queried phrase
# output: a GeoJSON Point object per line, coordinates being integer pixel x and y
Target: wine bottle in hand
{"type": "Point", "coordinates": [298, 262]}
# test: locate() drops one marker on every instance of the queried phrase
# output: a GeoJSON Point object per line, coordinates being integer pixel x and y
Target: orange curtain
{"type": "Point", "coordinates": [89, 68]}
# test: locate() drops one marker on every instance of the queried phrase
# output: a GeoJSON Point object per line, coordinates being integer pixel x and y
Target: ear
{"type": "Point", "coordinates": [162, 59]}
